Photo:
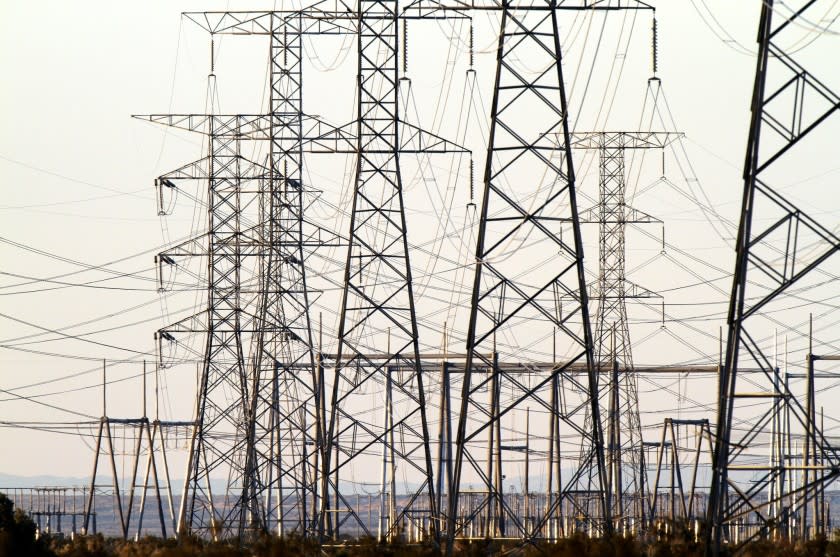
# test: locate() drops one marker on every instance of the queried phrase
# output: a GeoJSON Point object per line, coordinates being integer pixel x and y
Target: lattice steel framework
{"type": "Point", "coordinates": [271, 466]}
{"type": "Point", "coordinates": [377, 303]}
{"type": "Point", "coordinates": [675, 492]}
{"type": "Point", "coordinates": [290, 482]}
{"type": "Point", "coordinates": [778, 244]}
{"type": "Point", "coordinates": [287, 410]}
{"type": "Point", "coordinates": [220, 440]}
{"type": "Point", "coordinates": [377, 309]}
{"type": "Point", "coordinates": [528, 201]}
{"type": "Point", "coordinates": [618, 389]}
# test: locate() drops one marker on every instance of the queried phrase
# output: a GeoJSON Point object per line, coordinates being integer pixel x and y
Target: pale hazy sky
{"type": "Point", "coordinates": [78, 215]}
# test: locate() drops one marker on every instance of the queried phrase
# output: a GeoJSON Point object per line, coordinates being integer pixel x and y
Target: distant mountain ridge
{"type": "Point", "coordinates": [13, 480]}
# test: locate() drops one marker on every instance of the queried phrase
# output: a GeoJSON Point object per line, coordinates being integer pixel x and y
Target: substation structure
{"type": "Point", "coordinates": [56, 510]}
{"type": "Point", "coordinates": [277, 419]}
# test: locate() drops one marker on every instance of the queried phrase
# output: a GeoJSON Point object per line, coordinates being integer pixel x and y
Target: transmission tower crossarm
{"type": "Point", "coordinates": [234, 165]}
{"type": "Point", "coordinates": [624, 139]}
{"type": "Point", "coordinates": [433, 6]}
{"type": "Point", "coordinates": [314, 21]}
{"type": "Point", "coordinates": [234, 126]}
{"type": "Point", "coordinates": [631, 215]}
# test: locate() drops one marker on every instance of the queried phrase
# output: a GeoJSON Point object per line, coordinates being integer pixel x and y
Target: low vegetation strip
{"type": "Point", "coordinates": [18, 539]}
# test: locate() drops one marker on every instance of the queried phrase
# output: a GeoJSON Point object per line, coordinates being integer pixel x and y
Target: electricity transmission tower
{"type": "Point", "coordinates": [618, 389]}
{"type": "Point", "coordinates": [256, 410]}
{"type": "Point", "coordinates": [262, 415]}
{"type": "Point", "coordinates": [778, 246]}
{"type": "Point", "coordinates": [678, 498]}
{"type": "Point", "coordinates": [220, 441]}
{"type": "Point", "coordinates": [279, 466]}
{"type": "Point", "coordinates": [150, 437]}
{"type": "Point", "coordinates": [377, 335]}
{"type": "Point", "coordinates": [528, 200]}
{"type": "Point", "coordinates": [284, 397]}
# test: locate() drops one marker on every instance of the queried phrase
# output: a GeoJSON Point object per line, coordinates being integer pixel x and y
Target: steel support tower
{"type": "Point", "coordinates": [377, 308]}
{"type": "Point", "coordinates": [676, 498]}
{"type": "Point", "coordinates": [150, 438]}
{"type": "Point", "coordinates": [223, 407]}
{"type": "Point", "coordinates": [528, 210]}
{"type": "Point", "coordinates": [778, 246]}
{"type": "Point", "coordinates": [292, 483]}
{"type": "Point", "coordinates": [617, 382]}
{"type": "Point", "coordinates": [272, 397]}
{"type": "Point", "coordinates": [261, 407]}
{"type": "Point", "coordinates": [285, 392]}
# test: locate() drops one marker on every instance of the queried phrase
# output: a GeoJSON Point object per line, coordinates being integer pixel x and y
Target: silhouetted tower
{"type": "Point", "coordinates": [528, 214]}
{"type": "Point", "coordinates": [265, 435]}
{"type": "Point", "coordinates": [221, 452]}
{"type": "Point", "coordinates": [617, 383]}
{"type": "Point", "coordinates": [286, 423]}
{"type": "Point", "coordinates": [149, 437]}
{"type": "Point", "coordinates": [377, 334]}
{"type": "Point", "coordinates": [779, 245]}
{"type": "Point", "coordinates": [218, 447]}
{"type": "Point", "coordinates": [279, 465]}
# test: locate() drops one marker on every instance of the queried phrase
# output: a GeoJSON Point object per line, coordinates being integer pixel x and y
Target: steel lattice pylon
{"type": "Point", "coordinates": [285, 395]}
{"type": "Point", "coordinates": [255, 410]}
{"type": "Point", "coordinates": [778, 244]}
{"type": "Point", "coordinates": [377, 309]}
{"type": "Point", "coordinates": [281, 476]}
{"type": "Point", "coordinates": [280, 447]}
{"type": "Point", "coordinates": [221, 433]}
{"type": "Point", "coordinates": [528, 202]}
{"type": "Point", "coordinates": [617, 385]}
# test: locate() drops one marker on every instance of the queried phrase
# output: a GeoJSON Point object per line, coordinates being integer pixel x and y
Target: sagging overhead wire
{"type": "Point", "coordinates": [72, 337]}
{"type": "Point", "coordinates": [720, 31]}
{"type": "Point", "coordinates": [116, 192]}
{"type": "Point", "coordinates": [104, 267]}
{"type": "Point", "coordinates": [93, 284]}
{"type": "Point", "coordinates": [46, 404]}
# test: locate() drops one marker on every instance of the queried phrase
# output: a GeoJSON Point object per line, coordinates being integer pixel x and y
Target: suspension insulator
{"type": "Point", "coordinates": [405, 46]}
{"type": "Point", "coordinates": [472, 43]}
{"type": "Point", "coordinates": [655, 46]}
{"type": "Point", "coordinates": [472, 180]}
